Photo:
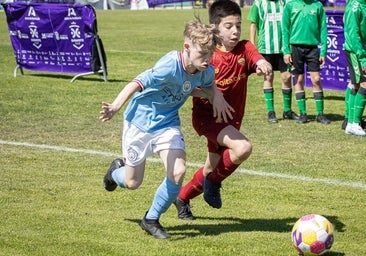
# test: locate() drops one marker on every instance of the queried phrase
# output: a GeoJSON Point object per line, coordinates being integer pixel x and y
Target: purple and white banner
{"type": "Point", "coordinates": [334, 75]}
{"type": "Point", "coordinates": [51, 37]}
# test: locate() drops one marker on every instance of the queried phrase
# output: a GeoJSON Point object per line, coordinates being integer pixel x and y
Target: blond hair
{"type": "Point", "coordinates": [201, 34]}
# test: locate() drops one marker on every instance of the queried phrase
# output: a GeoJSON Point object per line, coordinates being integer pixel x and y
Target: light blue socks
{"type": "Point", "coordinates": [164, 197]}
{"type": "Point", "coordinates": [119, 176]}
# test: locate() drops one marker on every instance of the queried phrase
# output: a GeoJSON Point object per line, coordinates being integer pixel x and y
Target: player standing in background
{"type": "Point", "coordinates": [355, 51]}
{"type": "Point", "coordinates": [151, 121]}
{"type": "Point", "coordinates": [266, 20]}
{"type": "Point", "coordinates": [234, 60]}
{"type": "Point", "coordinates": [304, 27]}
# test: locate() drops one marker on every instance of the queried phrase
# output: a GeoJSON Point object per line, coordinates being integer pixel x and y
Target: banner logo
{"type": "Point", "coordinates": [31, 12]}
{"type": "Point", "coordinates": [33, 31]}
{"type": "Point", "coordinates": [76, 39]}
{"type": "Point", "coordinates": [47, 38]}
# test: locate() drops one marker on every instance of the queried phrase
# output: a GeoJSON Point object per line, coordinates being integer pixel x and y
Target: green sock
{"type": "Point", "coordinates": [300, 100]}
{"type": "Point", "coordinates": [319, 102]}
{"type": "Point", "coordinates": [351, 106]}
{"type": "Point", "coordinates": [346, 102]}
{"type": "Point", "coordinates": [268, 97]}
{"type": "Point", "coordinates": [360, 102]}
{"type": "Point", "coordinates": [287, 99]}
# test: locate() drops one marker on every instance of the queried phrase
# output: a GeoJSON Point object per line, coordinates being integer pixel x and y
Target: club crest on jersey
{"type": "Point", "coordinates": [131, 154]}
{"type": "Point", "coordinates": [187, 86]}
{"type": "Point", "coordinates": [241, 61]}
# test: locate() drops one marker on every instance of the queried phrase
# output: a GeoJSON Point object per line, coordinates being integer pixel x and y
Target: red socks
{"type": "Point", "coordinates": [224, 168]}
{"type": "Point", "coordinates": [193, 188]}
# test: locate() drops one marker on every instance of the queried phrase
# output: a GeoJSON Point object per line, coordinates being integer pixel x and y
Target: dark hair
{"type": "Point", "coordinates": [221, 9]}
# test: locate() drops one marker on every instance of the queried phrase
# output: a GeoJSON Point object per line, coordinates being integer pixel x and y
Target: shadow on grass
{"type": "Point", "coordinates": [232, 224]}
{"type": "Point", "coordinates": [328, 114]}
{"type": "Point", "coordinates": [328, 97]}
{"type": "Point", "coordinates": [332, 117]}
{"type": "Point", "coordinates": [92, 78]}
{"type": "Point", "coordinates": [333, 253]}
{"type": "Point", "coordinates": [227, 225]}
{"type": "Point", "coordinates": [190, 229]}
{"type": "Point", "coordinates": [333, 97]}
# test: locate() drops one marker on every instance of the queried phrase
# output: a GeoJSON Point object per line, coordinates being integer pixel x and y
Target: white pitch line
{"type": "Point", "coordinates": [351, 184]}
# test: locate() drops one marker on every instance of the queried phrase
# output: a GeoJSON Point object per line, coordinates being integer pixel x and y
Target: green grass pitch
{"type": "Point", "coordinates": [54, 152]}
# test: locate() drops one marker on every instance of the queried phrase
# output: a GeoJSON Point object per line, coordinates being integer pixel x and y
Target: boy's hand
{"type": "Point", "coordinates": [263, 67]}
{"type": "Point", "coordinates": [108, 111]}
{"type": "Point", "coordinates": [287, 59]}
{"type": "Point", "coordinates": [322, 61]}
{"type": "Point", "coordinates": [222, 110]}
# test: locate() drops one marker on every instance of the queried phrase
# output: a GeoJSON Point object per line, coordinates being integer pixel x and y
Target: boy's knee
{"type": "Point", "coordinates": [244, 150]}
{"type": "Point", "coordinates": [179, 174]}
{"type": "Point", "coordinates": [315, 79]}
{"type": "Point", "coordinates": [132, 184]}
{"type": "Point", "coordinates": [247, 149]}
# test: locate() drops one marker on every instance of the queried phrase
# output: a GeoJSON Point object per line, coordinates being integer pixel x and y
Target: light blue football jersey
{"type": "Point", "coordinates": [165, 89]}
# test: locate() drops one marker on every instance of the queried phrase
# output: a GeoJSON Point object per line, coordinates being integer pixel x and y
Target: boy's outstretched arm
{"type": "Point", "coordinates": [108, 109]}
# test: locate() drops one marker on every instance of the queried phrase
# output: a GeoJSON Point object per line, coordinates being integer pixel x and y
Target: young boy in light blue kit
{"type": "Point", "coordinates": [151, 121]}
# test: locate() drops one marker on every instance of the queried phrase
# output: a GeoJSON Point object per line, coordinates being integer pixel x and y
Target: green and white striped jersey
{"type": "Point", "coordinates": [267, 15]}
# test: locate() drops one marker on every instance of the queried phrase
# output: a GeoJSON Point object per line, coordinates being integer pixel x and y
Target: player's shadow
{"type": "Point", "coordinates": [338, 225]}
{"type": "Point", "coordinates": [331, 253]}
{"type": "Point", "coordinates": [219, 226]}
{"type": "Point", "coordinates": [334, 97]}
{"type": "Point", "coordinates": [231, 224]}
{"type": "Point", "coordinates": [332, 117]}
{"type": "Point", "coordinates": [328, 97]}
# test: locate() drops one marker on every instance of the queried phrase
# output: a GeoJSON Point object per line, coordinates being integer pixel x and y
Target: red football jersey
{"type": "Point", "coordinates": [232, 70]}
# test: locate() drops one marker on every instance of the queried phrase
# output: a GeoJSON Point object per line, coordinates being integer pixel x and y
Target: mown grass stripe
{"type": "Point", "coordinates": [351, 184]}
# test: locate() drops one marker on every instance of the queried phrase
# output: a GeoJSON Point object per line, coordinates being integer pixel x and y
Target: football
{"type": "Point", "coordinates": [312, 234]}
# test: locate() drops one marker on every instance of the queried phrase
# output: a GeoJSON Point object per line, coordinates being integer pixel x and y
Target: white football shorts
{"type": "Point", "coordinates": [137, 145]}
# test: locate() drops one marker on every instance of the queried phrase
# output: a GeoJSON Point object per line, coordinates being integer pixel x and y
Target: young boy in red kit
{"type": "Point", "coordinates": [234, 61]}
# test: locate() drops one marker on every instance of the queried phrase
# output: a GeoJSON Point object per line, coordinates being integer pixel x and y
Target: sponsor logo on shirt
{"type": "Point", "coordinates": [230, 81]}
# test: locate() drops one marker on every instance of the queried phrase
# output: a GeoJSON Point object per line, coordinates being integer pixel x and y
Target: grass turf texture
{"type": "Point", "coordinates": [53, 202]}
